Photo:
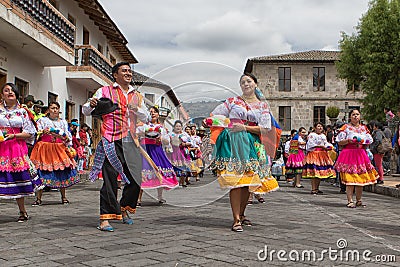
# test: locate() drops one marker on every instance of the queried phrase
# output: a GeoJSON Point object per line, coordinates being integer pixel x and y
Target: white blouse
{"type": "Point", "coordinates": [146, 127]}
{"type": "Point", "coordinates": [349, 132]}
{"type": "Point", "coordinates": [177, 139]}
{"type": "Point", "coordinates": [17, 118]}
{"type": "Point", "coordinates": [237, 108]}
{"type": "Point", "coordinates": [60, 124]}
{"type": "Point", "coordinates": [317, 140]}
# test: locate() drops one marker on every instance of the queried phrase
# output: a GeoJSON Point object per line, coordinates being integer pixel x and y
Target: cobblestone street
{"type": "Point", "coordinates": [189, 233]}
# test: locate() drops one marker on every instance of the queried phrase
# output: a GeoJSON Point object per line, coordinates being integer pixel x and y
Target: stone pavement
{"type": "Point", "coordinates": [187, 234]}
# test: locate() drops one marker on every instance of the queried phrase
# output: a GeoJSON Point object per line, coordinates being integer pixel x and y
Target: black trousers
{"type": "Point", "coordinates": [129, 155]}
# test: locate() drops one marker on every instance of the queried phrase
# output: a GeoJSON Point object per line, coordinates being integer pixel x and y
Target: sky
{"type": "Point", "coordinates": [200, 48]}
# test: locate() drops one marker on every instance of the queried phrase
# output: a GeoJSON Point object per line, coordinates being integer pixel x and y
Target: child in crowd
{"type": "Point", "coordinates": [81, 156]}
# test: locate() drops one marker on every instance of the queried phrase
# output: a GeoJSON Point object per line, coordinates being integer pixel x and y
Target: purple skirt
{"type": "Point", "coordinates": [179, 161]}
{"type": "Point", "coordinates": [17, 184]}
{"type": "Point", "coordinates": [165, 177]}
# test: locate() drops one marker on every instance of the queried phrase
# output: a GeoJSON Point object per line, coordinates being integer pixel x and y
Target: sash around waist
{"type": "Point", "coordinates": [249, 123]}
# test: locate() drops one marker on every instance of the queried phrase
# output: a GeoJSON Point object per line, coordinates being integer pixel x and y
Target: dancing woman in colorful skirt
{"type": "Point", "coordinates": [353, 164]}
{"type": "Point", "coordinates": [179, 141]}
{"type": "Point", "coordinates": [159, 173]}
{"type": "Point", "coordinates": [295, 161]}
{"type": "Point", "coordinates": [240, 157]}
{"type": "Point", "coordinates": [18, 177]}
{"type": "Point", "coordinates": [56, 168]}
{"type": "Point", "coordinates": [317, 164]}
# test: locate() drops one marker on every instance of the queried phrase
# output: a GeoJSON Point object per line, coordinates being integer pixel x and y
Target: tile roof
{"type": "Point", "coordinates": [313, 55]}
{"type": "Point", "coordinates": [98, 14]}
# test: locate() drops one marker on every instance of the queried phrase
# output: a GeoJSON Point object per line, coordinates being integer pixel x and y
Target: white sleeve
{"type": "Point", "coordinates": [142, 113]}
{"type": "Point", "coordinates": [311, 142]}
{"type": "Point", "coordinates": [68, 133]}
{"type": "Point", "coordinates": [86, 109]}
{"type": "Point", "coordinates": [341, 136]}
{"type": "Point", "coordinates": [221, 109]}
{"type": "Point", "coordinates": [287, 147]}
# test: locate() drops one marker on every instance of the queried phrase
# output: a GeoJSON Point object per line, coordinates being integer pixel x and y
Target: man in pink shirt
{"type": "Point", "coordinates": [117, 153]}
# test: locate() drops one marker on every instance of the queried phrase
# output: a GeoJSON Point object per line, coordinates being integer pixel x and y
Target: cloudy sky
{"type": "Point", "coordinates": [200, 47]}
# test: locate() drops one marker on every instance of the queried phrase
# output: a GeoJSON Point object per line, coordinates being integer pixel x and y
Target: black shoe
{"type": "Point", "coordinates": [23, 216]}
{"type": "Point", "coordinates": [379, 182]}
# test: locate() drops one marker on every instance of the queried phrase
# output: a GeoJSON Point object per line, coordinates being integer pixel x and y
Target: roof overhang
{"type": "Point", "coordinates": [96, 12]}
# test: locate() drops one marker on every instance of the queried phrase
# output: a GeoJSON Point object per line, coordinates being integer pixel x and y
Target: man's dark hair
{"type": "Point", "coordinates": [116, 67]}
{"type": "Point", "coordinates": [28, 98]}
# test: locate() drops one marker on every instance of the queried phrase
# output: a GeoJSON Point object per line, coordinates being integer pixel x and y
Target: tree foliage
{"type": "Point", "coordinates": [370, 58]}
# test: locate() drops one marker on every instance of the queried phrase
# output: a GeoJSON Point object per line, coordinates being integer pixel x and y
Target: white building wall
{"type": "Point", "coordinates": [158, 93]}
{"type": "Point", "coordinates": [25, 69]}
{"type": "Point", "coordinates": [82, 20]}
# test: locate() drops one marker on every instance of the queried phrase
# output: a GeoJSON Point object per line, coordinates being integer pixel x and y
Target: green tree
{"type": "Point", "coordinates": [370, 58]}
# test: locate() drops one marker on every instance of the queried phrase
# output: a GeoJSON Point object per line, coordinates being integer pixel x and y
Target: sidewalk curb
{"type": "Point", "coordinates": [383, 190]}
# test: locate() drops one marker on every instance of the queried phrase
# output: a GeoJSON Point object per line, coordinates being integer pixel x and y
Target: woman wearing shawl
{"type": "Point", "coordinates": [240, 159]}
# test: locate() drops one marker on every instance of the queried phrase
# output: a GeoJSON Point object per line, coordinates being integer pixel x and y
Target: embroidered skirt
{"type": "Point", "coordinates": [179, 161]}
{"type": "Point", "coordinates": [55, 168]}
{"type": "Point", "coordinates": [18, 177]}
{"type": "Point", "coordinates": [240, 161]}
{"type": "Point", "coordinates": [166, 176]}
{"type": "Point", "coordinates": [318, 164]}
{"type": "Point", "coordinates": [295, 162]}
{"type": "Point", "coordinates": [355, 167]}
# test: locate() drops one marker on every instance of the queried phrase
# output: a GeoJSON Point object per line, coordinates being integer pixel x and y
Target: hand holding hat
{"type": "Point", "coordinates": [93, 102]}
{"type": "Point", "coordinates": [102, 106]}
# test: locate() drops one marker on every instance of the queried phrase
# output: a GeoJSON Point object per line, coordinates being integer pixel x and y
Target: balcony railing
{"type": "Point", "coordinates": [87, 55]}
{"type": "Point", "coordinates": [50, 18]}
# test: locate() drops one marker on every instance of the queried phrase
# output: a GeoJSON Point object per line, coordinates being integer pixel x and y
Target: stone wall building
{"type": "Point", "coordinates": [300, 86]}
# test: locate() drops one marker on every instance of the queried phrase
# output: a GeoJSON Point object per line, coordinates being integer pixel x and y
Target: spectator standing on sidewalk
{"type": "Point", "coordinates": [389, 116]}
{"type": "Point", "coordinates": [377, 136]}
{"type": "Point", "coordinates": [120, 106]}
{"type": "Point", "coordinates": [353, 164]}
{"type": "Point", "coordinates": [81, 155]}
{"type": "Point", "coordinates": [29, 101]}
{"type": "Point", "coordinates": [387, 157]}
{"type": "Point", "coordinates": [37, 110]}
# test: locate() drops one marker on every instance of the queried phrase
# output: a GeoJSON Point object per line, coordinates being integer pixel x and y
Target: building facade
{"type": "Point", "coordinates": [300, 86]}
{"type": "Point", "coordinates": [61, 51]}
{"type": "Point", "coordinates": [161, 95]}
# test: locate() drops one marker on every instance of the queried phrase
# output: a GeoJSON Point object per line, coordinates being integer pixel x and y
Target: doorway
{"type": "Point", "coordinates": [69, 110]}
